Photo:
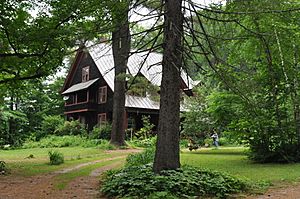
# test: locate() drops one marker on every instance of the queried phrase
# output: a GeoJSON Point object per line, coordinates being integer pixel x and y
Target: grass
{"type": "Point", "coordinates": [235, 162]}
{"type": "Point", "coordinates": [232, 160]}
{"type": "Point", "coordinates": [42, 153]}
{"type": "Point", "coordinates": [19, 164]}
{"type": "Point", "coordinates": [63, 180]}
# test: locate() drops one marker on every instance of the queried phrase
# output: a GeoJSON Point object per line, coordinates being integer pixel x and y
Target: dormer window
{"type": "Point", "coordinates": [102, 94]}
{"type": "Point", "coordinates": [85, 73]}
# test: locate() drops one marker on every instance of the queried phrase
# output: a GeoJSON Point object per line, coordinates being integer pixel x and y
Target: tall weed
{"type": "Point", "coordinates": [56, 157]}
{"type": "Point", "coordinates": [145, 157]}
{"type": "Point", "coordinates": [3, 168]}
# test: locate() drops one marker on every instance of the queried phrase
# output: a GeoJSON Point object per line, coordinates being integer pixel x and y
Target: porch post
{"type": "Point", "coordinates": [125, 120]}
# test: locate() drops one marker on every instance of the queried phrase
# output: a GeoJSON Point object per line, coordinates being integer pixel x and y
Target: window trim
{"type": "Point", "coordinates": [85, 74]}
{"type": "Point", "coordinates": [100, 95]}
{"type": "Point", "coordinates": [100, 115]}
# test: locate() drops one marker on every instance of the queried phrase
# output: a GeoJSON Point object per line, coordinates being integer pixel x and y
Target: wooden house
{"type": "Point", "coordinates": [88, 89]}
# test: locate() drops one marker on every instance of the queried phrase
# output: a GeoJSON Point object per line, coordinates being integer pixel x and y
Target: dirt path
{"type": "Point", "coordinates": [42, 186]}
{"type": "Point", "coordinates": [284, 192]}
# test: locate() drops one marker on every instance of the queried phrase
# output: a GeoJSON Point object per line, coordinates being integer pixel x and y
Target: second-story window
{"type": "Point", "coordinates": [85, 73]}
{"type": "Point", "coordinates": [102, 94]}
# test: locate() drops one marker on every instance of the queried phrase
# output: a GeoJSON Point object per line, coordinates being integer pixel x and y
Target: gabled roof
{"type": "Point", "coordinates": [151, 69]}
{"type": "Point", "coordinates": [80, 86]}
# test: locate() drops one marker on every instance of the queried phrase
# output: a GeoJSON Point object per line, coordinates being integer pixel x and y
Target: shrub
{"type": "Point", "coordinates": [71, 128]}
{"type": "Point", "coordinates": [56, 157]}
{"type": "Point", "coordinates": [50, 125]}
{"type": "Point", "coordinates": [101, 132]}
{"type": "Point", "coordinates": [284, 153]}
{"type": "Point", "coordinates": [57, 141]}
{"type": "Point", "coordinates": [68, 141]}
{"type": "Point", "coordinates": [145, 157]}
{"type": "Point", "coordinates": [149, 142]}
{"type": "Point", "coordinates": [105, 144]}
{"type": "Point", "coordinates": [146, 131]}
{"type": "Point", "coordinates": [186, 182]}
{"type": "Point", "coordinates": [3, 168]}
{"type": "Point", "coordinates": [184, 143]}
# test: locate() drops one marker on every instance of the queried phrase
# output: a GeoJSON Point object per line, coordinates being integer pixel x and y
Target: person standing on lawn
{"type": "Point", "coordinates": [215, 138]}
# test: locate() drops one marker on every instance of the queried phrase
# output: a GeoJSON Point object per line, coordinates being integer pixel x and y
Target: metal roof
{"type": "Point", "coordinates": [146, 103]}
{"type": "Point", "coordinates": [80, 86]}
{"type": "Point", "coordinates": [140, 102]}
{"type": "Point", "coordinates": [151, 69]}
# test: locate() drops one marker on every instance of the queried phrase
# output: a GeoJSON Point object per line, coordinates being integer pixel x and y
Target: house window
{"type": "Point", "coordinates": [101, 118]}
{"type": "Point", "coordinates": [82, 119]}
{"type": "Point", "coordinates": [85, 73]}
{"type": "Point", "coordinates": [102, 94]}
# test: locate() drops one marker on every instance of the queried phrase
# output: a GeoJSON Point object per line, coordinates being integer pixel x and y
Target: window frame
{"type": "Point", "coordinates": [85, 74]}
{"type": "Point", "coordinates": [102, 94]}
{"type": "Point", "coordinates": [100, 119]}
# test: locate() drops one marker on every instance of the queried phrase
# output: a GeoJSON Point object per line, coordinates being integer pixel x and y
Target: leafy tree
{"type": "Point", "coordinates": [197, 123]}
{"type": "Point", "coordinates": [10, 132]}
{"type": "Point", "coordinates": [246, 44]}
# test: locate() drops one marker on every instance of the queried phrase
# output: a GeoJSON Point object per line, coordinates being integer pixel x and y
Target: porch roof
{"type": "Point", "coordinates": [146, 103]}
{"type": "Point", "coordinates": [80, 86]}
{"type": "Point", "coordinates": [140, 102]}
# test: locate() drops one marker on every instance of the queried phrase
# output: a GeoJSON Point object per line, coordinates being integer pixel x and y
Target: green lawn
{"type": "Point", "coordinates": [231, 160]}
{"type": "Point", "coordinates": [19, 164]}
{"type": "Point", "coordinates": [42, 153]}
{"type": "Point", "coordinates": [235, 162]}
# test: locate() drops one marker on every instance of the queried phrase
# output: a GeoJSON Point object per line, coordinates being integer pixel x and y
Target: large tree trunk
{"type": "Point", "coordinates": [167, 147]}
{"type": "Point", "coordinates": [121, 49]}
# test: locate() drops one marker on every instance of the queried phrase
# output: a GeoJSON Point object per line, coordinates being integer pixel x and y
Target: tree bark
{"type": "Point", "coordinates": [167, 146]}
{"type": "Point", "coordinates": [121, 49]}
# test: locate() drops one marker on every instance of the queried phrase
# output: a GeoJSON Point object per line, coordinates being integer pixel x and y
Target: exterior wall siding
{"type": "Point", "coordinates": [92, 107]}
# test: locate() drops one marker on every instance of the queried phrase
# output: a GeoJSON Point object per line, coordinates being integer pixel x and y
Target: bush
{"type": "Point", "coordinates": [145, 157]}
{"type": "Point", "coordinates": [141, 182]}
{"type": "Point", "coordinates": [146, 131]}
{"type": "Point", "coordinates": [184, 143]}
{"type": "Point", "coordinates": [3, 168]}
{"type": "Point", "coordinates": [105, 144]}
{"type": "Point", "coordinates": [145, 143]}
{"type": "Point", "coordinates": [284, 153]}
{"type": "Point", "coordinates": [71, 128]}
{"type": "Point", "coordinates": [101, 132]}
{"type": "Point", "coordinates": [57, 141]}
{"type": "Point", "coordinates": [67, 141]}
{"type": "Point", "coordinates": [50, 125]}
{"type": "Point", "coordinates": [56, 157]}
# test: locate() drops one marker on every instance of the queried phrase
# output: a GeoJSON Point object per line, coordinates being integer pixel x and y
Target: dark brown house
{"type": "Point", "coordinates": [89, 87]}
